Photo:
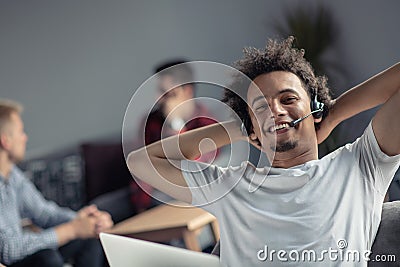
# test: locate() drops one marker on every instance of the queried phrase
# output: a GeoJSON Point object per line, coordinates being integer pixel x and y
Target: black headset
{"type": "Point", "coordinates": [317, 107]}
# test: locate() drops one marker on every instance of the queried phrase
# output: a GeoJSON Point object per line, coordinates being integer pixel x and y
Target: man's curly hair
{"type": "Point", "coordinates": [277, 56]}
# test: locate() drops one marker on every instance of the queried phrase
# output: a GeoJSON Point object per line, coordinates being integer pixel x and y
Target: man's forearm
{"type": "Point", "coordinates": [81, 227]}
{"type": "Point", "coordinates": [154, 163]}
{"type": "Point", "coordinates": [65, 233]}
{"type": "Point", "coordinates": [192, 144]}
{"type": "Point", "coordinates": [369, 94]}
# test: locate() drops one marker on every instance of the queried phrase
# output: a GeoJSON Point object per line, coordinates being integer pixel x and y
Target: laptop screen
{"type": "Point", "coordinates": [130, 252]}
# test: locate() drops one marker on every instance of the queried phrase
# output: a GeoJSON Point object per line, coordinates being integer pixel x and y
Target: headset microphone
{"type": "Point", "coordinates": [295, 122]}
{"type": "Point", "coordinates": [317, 109]}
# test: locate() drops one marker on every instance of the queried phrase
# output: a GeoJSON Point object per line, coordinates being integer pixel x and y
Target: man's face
{"type": "Point", "coordinates": [281, 99]}
{"type": "Point", "coordinates": [15, 138]}
{"type": "Point", "coordinates": [172, 100]}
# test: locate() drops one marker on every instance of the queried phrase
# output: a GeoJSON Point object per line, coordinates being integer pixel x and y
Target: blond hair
{"type": "Point", "coordinates": [7, 107]}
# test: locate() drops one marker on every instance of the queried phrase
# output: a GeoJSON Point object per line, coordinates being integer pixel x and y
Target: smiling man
{"type": "Point", "coordinates": [307, 210]}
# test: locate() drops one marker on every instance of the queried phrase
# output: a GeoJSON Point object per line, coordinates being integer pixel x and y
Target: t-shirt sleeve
{"type": "Point", "coordinates": [200, 177]}
{"type": "Point", "coordinates": [208, 182]}
{"type": "Point", "coordinates": [375, 165]}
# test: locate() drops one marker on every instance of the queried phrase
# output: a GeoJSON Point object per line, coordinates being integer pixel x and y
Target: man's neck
{"type": "Point", "coordinates": [5, 165]}
{"type": "Point", "coordinates": [288, 160]}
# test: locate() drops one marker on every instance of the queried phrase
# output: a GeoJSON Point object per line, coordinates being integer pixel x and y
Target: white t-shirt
{"type": "Point", "coordinates": [321, 213]}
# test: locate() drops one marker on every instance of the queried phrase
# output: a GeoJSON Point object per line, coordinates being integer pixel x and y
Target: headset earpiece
{"type": "Point", "coordinates": [318, 107]}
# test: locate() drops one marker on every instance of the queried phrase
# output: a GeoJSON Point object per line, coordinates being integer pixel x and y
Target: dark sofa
{"type": "Point", "coordinates": [76, 176]}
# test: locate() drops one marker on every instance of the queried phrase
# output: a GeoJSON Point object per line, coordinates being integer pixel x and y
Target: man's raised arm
{"type": "Point", "coordinates": [158, 164]}
{"type": "Point", "coordinates": [382, 88]}
{"type": "Point", "coordinates": [386, 123]}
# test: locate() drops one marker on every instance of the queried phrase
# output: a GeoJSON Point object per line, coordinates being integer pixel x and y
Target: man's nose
{"type": "Point", "coordinates": [277, 109]}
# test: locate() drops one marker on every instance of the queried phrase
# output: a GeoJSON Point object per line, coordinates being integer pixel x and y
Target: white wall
{"type": "Point", "coordinates": [75, 64]}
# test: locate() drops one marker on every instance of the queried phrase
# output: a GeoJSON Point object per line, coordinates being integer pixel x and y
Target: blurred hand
{"type": "Point", "coordinates": [103, 221]}
{"type": "Point", "coordinates": [84, 227]}
{"type": "Point", "coordinates": [87, 211]}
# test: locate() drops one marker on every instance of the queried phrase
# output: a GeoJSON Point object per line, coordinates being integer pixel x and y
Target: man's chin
{"type": "Point", "coordinates": [284, 146]}
{"type": "Point", "coordinates": [18, 159]}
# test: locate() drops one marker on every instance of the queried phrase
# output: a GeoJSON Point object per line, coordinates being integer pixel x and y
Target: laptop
{"type": "Point", "coordinates": [130, 252]}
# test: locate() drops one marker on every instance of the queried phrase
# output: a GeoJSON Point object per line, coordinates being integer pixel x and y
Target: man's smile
{"type": "Point", "coordinates": [278, 127]}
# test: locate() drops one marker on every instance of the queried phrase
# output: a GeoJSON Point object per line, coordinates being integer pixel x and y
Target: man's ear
{"type": "Point", "coordinates": [317, 120]}
{"type": "Point", "coordinates": [253, 136]}
{"type": "Point", "coordinates": [251, 132]}
{"type": "Point", "coordinates": [254, 140]}
{"type": "Point", "coordinates": [4, 141]}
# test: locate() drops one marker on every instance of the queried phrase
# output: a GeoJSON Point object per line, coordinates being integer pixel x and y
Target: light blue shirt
{"type": "Point", "coordinates": [19, 199]}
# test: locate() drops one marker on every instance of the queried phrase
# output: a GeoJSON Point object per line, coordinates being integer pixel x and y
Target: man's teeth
{"type": "Point", "coordinates": [279, 127]}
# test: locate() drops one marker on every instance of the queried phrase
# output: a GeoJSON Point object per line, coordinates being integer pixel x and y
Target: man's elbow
{"type": "Point", "coordinates": [135, 161]}
{"type": "Point", "coordinates": [140, 164]}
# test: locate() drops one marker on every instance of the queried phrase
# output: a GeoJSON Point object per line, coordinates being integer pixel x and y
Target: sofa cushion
{"type": "Point", "coordinates": [105, 168]}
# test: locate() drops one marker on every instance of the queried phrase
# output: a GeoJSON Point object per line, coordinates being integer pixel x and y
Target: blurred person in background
{"type": "Point", "coordinates": [175, 111]}
{"type": "Point", "coordinates": [62, 234]}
